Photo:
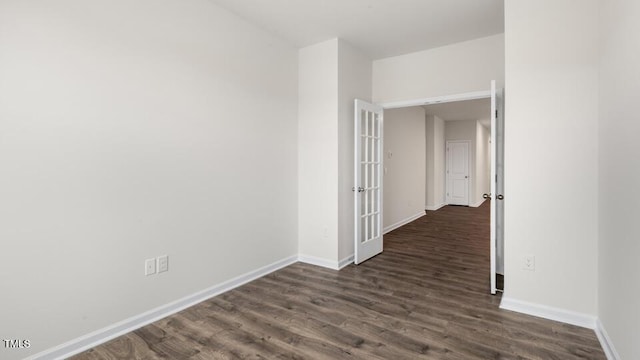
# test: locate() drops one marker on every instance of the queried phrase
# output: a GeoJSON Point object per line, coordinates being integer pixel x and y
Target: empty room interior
{"type": "Point", "coordinates": [215, 179]}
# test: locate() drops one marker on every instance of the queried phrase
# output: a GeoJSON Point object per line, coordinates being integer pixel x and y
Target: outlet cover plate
{"type": "Point", "coordinates": [529, 263]}
{"type": "Point", "coordinates": [149, 267]}
{"type": "Point", "coordinates": [163, 263]}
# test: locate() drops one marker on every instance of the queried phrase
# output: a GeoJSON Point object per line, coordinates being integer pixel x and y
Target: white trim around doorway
{"type": "Point", "coordinates": [436, 100]}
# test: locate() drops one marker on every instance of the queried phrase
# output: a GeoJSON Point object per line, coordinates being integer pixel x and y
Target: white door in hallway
{"type": "Point", "coordinates": [458, 172]}
{"type": "Point", "coordinates": [368, 180]}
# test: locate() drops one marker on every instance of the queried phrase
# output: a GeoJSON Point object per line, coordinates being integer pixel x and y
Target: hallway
{"type": "Point", "coordinates": [426, 296]}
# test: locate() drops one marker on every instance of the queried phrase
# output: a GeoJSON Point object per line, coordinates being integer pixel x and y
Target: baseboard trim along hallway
{"type": "Point", "coordinates": [403, 222]}
{"type": "Point", "coordinates": [435, 207]}
{"type": "Point", "coordinates": [479, 203]}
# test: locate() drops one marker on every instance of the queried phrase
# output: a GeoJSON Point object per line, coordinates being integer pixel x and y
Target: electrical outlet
{"type": "Point", "coordinates": [163, 263]}
{"type": "Point", "coordinates": [529, 263]}
{"type": "Point", "coordinates": [149, 267]}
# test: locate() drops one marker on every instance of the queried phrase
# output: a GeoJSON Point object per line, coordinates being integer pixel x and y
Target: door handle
{"type": "Point", "coordinates": [360, 189]}
{"type": "Point", "coordinates": [500, 197]}
{"type": "Point", "coordinates": [486, 196]}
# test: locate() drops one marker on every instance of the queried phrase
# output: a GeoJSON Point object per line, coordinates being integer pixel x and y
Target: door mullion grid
{"type": "Point", "coordinates": [366, 177]}
{"type": "Point", "coordinates": [371, 168]}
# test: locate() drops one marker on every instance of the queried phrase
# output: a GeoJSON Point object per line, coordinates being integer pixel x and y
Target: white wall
{"type": "Point", "coordinates": [465, 130]}
{"type": "Point", "coordinates": [354, 80]}
{"type": "Point", "coordinates": [129, 131]}
{"type": "Point", "coordinates": [441, 71]}
{"type": "Point", "coordinates": [318, 151]}
{"type": "Point", "coordinates": [435, 158]}
{"type": "Point", "coordinates": [619, 175]}
{"type": "Point", "coordinates": [332, 74]}
{"type": "Point", "coordinates": [483, 164]}
{"type": "Point", "coordinates": [551, 171]}
{"type": "Point", "coordinates": [405, 165]}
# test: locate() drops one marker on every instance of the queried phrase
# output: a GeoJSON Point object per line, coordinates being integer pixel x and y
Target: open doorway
{"type": "Point", "coordinates": [466, 167]}
{"type": "Point", "coordinates": [447, 122]}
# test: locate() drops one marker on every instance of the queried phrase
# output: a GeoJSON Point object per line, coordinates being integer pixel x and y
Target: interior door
{"type": "Point", "coordinates": [458, 173]}
{"type": "Point", "coordinates": [368, 180]}
{"type": "Point", "coordinates": [497, 187]}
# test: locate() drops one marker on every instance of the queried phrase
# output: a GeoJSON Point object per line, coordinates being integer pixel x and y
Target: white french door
{"type": "Point", "coordinates": [367, 189]}
{"type": "Point", "coordinates": [497, 185]}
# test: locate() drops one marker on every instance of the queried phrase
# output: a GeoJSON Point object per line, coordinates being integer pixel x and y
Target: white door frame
{"type": "Point", "coordinates": [435, 100]}
{"type": "Point", "coordinates": [447, 164]}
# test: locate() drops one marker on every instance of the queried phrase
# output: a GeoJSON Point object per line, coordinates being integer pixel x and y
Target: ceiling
{"type": "Point", "coordinates": [380, 28]}
{"type": "Point", "coordinates": [479, 109]}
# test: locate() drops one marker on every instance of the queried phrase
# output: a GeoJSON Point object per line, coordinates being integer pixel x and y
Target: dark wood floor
{"type": "Point", "coordinates": [426, 296]}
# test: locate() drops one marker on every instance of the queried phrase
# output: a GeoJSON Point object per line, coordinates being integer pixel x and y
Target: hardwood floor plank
{"type": "Point", "coordinates": [425, 297]}
{"type": "Point", "coordinates": [365, 329]}
{"type": "Point", "coordinates": [289, 337]}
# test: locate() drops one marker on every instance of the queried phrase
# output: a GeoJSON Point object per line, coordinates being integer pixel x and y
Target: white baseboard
{"type": "Point", "coordinates": [326, 263]}
{"type": "Point", "coordinates": [98, 337]}
{"type": "Point", "coordinates": [435, 207]}
{"type": "Point", "coordinates": [605, 342]}
{"type": "Point", "coordinates": [346, 261]}
{"type": "Point", "coordinates": [548, 312]}
{"type": "Point", "coordinates": [313, 260]}
{"type": "Point", "coordinates": [478, 203]}
{"type": "Point", "coordinates": [403, 222]}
